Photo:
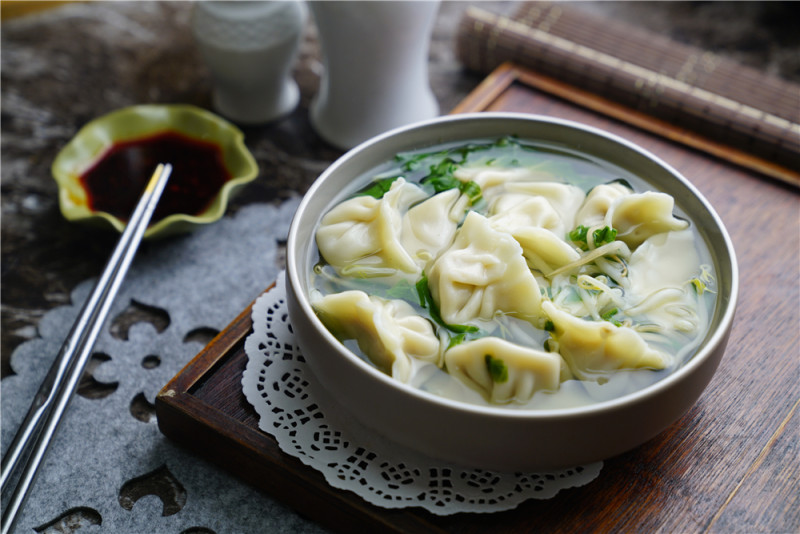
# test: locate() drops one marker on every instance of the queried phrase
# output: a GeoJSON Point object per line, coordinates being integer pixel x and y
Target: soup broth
{"type": "Point", "coordinates": [504, 272]}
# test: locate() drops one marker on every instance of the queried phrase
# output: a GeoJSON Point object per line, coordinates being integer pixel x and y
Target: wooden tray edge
{"type": "Point", "coordinates": [508, 73]}
{"type": "Point", "coordinates": [188, 421]}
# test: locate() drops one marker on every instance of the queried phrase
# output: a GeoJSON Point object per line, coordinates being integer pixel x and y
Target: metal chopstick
{"type": "Point", "coordinates": [30, 444]}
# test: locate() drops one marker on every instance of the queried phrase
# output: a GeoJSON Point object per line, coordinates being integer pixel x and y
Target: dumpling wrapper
{"type": "Point", "coordinates": [565, 199]}
{"type": "Point", "coordinates": [538, 215]}
{"type": "Point", "coordinates": [638, 216]}
{"type": "Point", "coordinates": [511, 211]}
{"type": "Point", "coordinates": [529, 370]}
{"type": "Point", "coordinates": [365, 233]}
{"type": "Point", "coordinates": [481, 274]}
{"type": "Point", "coordinates": [664, 260]}
{"type": "Point", "coordinates": [659, 272]}
{"type": "Point", "coordinates": [389, 332]}
{"type": "Point", "coordinates": [492, 180]}
{"type": "Point", "coordinates": [593, 349]}
{"type": "Point", "coordinates": [430, 226]}
{"type": "Point", "coordinates": [543, 250]}
{"type": "Point", "coordinates": [598, 202]}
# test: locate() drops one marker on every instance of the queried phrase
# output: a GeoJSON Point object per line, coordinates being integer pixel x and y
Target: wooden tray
{"type": "Point", "coordinates": [203, 408]}
{"type": "Point", "coordinates": [699, 475]}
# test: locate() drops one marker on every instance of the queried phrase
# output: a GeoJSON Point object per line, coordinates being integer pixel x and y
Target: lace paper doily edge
{"type": "Point", "coordinates": [256, 359]}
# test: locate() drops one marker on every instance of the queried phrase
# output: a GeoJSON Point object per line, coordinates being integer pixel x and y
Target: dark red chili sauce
{"type": "Point", "coordinates": [115, 183]}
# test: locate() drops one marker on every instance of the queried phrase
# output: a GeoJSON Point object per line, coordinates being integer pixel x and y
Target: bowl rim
{"type": "Point", "coordinates": [162, 116]}
{"type": "Point", "coordinates": [709, 344]}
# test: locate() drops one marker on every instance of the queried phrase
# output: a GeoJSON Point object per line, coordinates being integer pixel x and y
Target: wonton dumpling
{"type": "Point", "coordinates": [528, 370]}
{"type": "Point", "coordinates": [538, 215]}
{"type": "Point", "coordinates": [511, 211]}
{"type": "Point", "coordinates": [658, 272]}
{"type": "Point", "coordinates": [638, 216]}
{"type": "Point", "coordinates": [598, 202]}
{"type": "Point", "coordinates": [389, 332]}
{"type": "Point", "coordinates": [492, 179]}
{"type": "Point", "coordinates": [543, 250]}
{"type": "Point", "coordinates": [664, 260]}
{"type": "Point", "coordinates": [430, 226]}
{"type": "Point", "coordinates": [594, 348]}
{"type": "Point", "coordinates": [564, 198]}
{"type": "Point", "coordinates": [364, 232]}
{"type": "Point", "coordinates": [488, 176]}
{"type": "Point", "coordinates": [481, 274]}
{"type": "Point", "coordinates": [537, 227]}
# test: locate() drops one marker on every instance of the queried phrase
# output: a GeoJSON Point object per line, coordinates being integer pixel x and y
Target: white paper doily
{"type": "Point", "coordinates": [294, 409]}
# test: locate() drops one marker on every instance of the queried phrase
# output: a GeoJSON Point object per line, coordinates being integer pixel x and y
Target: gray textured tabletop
{"type": "Point", "coordinates": [110, 470]}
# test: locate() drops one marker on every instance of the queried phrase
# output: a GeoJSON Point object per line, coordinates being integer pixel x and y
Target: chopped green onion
{"type": "Point", "coordinates": [497, 369]}
{"type": "Point", "coordinates": [578, 236]}
{"type": "Point", "coordinates": [441, 178]}
{"type": "Point", "coordinates": [427, 302]}
{"type": "Point", "coordinates": [456, 340]}
{"type": "Point", "coordinates": [604, 235]}
{"type": "Point", "coordinates": [472, 191]}
{"type": "Point", "coordinates": [601, 236]}
{"type": "Point", "coordinates": [441, 183]}
{"type": "Point", "coordinates": [423, 291]}
{"type": "Point", "coordinates": [378, 187]}
{"type": "Point", "coordinates": [609, 316]}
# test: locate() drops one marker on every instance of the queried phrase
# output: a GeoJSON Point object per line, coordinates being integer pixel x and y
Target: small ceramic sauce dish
{"type": "Point", "coordinates": [102, 171]}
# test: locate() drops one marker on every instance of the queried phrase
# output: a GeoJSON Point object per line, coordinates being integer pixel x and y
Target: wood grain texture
{"type": "Point", "coordinates": [728, 465]}
{"type": "Point", "coordinates": [500, 79]}
{"type": "Point", "coordinates": [714, 102]}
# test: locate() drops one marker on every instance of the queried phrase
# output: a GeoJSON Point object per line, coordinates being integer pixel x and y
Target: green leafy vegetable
{"type": "Point", "coordinates": [424, 293]}
{"type": "Point", "coordinates": [578, 236]}
{"type": "Point", "coordinates": [441, 178]}
{"type": "Point", "coordinates": [427, 302]}
{"type": "Point", "coordinates": [472, 191]}
{"type": "Point", "coordinates": [609, 316]}
{"type": "Point", "coordinates": [601, 236]}
{"type": "Point", "coordinates": [604, 235]}
{"type": "Point", "coordinates": [412, 162]}
{"type": "Point", "coordinates": [456, 340]}
{"type": "Point", "coordinates": [497, 369]}
{"type": "Point", "coordinates": [378, 188]}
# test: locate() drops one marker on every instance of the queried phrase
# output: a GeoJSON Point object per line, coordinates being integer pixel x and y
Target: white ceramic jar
{"type": "Point", "coordinates": [375, 56]}
{"type": "Point", "coordinates": [250, 47]}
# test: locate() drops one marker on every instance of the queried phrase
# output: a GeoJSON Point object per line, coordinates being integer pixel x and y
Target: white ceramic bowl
{"type": "Point", "coordinates": [494, 437]}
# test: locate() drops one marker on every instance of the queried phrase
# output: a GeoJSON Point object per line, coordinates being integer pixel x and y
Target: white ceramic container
{"type": "Point", "coordinates": [250, 48]}
{"type": "Point", "coordinates": [375, 58]}
{"type": "Point", "coordinates": [494, 437]}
